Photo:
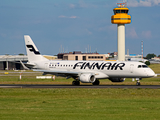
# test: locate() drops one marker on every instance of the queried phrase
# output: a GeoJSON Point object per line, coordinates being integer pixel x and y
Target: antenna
{"type": "Point", "coordinates": [125, 3]}
{"type": "Point", "coordinates": [122, 5]}
{"type": "Point", "coordinates": [142, 48]}
{"type": "Point", "coordinates": [61, 48]}
{"type": "Point", "coordinates": [88, 48]}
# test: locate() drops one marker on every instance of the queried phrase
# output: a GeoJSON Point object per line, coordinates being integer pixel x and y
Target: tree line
{"type": "Point", "coordinates": [149, 56]}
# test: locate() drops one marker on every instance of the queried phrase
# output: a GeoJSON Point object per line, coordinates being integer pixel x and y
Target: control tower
{"type": "Point", "coordinates": [121, 18]}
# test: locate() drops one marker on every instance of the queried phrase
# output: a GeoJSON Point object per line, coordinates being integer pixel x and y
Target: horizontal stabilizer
{"type": "Point", "coordinates": [26, 68]}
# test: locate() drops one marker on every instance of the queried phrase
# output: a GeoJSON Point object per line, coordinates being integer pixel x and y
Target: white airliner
{"type": "Point", "coordinates": [86, 71]}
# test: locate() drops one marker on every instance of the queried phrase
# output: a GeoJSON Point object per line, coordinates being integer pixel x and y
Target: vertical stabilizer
{"type": "Point", "coordinates": [32, 51]}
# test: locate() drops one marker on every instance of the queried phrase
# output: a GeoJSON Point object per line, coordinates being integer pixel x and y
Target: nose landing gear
{"type": "Point", "coordinates": [138, 81]}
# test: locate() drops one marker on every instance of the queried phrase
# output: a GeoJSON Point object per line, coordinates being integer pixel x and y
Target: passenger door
{"type": "Point", "coordinates": [46, 66]}
{"type": "Point", "coordinates": [131, 68]}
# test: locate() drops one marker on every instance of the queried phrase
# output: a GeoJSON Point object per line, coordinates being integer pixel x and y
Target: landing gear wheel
{"type": "Point", "coordinates": [96, 82]}
{"type": "Point", "coordinates": [75, 83]}
{"type": "Point", "coordinates": [138, 83]}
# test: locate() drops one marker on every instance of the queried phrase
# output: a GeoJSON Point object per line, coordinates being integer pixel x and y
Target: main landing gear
{"type": "Point", "coordinates": [138, 83]}
{"type": "Point", "coordinates": [96, 82]}
{"type": "Point", "coordinates": [76, 82]}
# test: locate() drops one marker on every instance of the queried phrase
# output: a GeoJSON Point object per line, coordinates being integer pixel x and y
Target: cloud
{"type": "Point", "coordinates": [108, 28]}
{"type": "Point", "coordinates": [144, 3]}
{"type": "Point", "coordinates": [73, 17]}
{"type": "Point", "coordinates": [113, 27]}
{"type": "Point", "coordinates": [146, 34]}
{"type": "Point", "coordinates": [3, 35]}
{"type": "Point", "coordinates": [131, 33]}
{"type": "Point", "coordinates": [72, 6]}
{"type": "Point", "coordinates": [88, 32]}
{"type": "Point", "coordinates": [156, 2]}
{"type": "Point", "coordinates": [82, 4]}
{"type": "Point", "coordinates": [62, 16]}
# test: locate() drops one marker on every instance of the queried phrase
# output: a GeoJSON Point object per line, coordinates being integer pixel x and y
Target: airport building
{"type": "Point", "coordinates": [78, 55]}
{"type": "Point", "coordinates": [12, 62]}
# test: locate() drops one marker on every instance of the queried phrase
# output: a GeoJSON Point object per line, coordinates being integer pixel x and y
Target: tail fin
{"type": "Point", "coordinates": [32, 51]}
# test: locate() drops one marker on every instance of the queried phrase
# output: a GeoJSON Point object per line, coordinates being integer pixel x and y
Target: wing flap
{"type": "Point", "coordinates": [55, 72]}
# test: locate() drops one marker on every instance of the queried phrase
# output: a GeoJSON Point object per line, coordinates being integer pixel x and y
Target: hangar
{"type": "Point", "coordinates": [12, 62]}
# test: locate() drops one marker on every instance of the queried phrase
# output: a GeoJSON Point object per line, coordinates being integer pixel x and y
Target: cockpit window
{"type": "Point", "coordinates": [142, 66]}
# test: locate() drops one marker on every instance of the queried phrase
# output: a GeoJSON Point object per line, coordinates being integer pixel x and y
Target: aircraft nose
{"type": "Point", "coordinates": [151, 73]}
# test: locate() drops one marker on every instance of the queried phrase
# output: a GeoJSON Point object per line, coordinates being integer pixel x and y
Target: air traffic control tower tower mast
{"type": "Point", "coordinates": [121, 18]}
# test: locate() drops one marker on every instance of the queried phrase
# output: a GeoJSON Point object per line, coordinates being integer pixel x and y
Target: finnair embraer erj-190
{"type": "Point", "coordinates": [86, 71]}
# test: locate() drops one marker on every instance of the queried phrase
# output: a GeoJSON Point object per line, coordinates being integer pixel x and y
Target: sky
{"type": "Point", "coordinates": [76, 25]}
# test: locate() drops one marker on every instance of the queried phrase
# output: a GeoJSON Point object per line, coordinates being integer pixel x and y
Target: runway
{"type": "Point", "coordinates": [80, 86]}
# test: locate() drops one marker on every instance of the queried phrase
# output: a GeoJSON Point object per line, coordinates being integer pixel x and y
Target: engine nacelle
{"type": "Point", "coordinates": [87, 78]}
{"type": "Point", "coordinates": [117, 79]}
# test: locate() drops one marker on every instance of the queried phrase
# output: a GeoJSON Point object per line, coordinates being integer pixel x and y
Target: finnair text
{"type": "Point", "coordinates": [99, 66]}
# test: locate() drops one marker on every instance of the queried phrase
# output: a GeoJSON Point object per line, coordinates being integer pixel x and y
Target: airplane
{"type": "Point", "coordinates": [86, 71]}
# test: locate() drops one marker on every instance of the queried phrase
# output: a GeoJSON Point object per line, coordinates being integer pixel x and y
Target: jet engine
{"type": "Point", "coordinates": [87, 78]}
{"type": "Point", "coordinates": [117, 79]}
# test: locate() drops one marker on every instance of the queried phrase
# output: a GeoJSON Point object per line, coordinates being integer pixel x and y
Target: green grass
{"type": "Point", "coordinates": [79, 104]}
{"type": "Point", "coordinates": [155, 68]}
{"type": "Point", "coordinates": [59, 80]}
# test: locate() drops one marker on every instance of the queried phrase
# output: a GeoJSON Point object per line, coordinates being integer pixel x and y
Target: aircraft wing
{"type": "Point", "coordinates": [55, 72]}
{"type": "Point", "coordinates": [26, 66]}
{"type": "Point", "coordinates": [72, 73]}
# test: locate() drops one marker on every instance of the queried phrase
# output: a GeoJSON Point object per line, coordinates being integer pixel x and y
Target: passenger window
{"type": "Point", "coordinates": [139, 66]}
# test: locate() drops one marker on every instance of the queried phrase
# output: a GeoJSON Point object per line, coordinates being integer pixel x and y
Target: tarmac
{"type": "Point", "coordinates": [80, 86]}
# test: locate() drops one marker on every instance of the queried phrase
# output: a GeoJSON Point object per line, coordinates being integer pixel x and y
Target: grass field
{"type": "Point", "coordinates": [77, 103]}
